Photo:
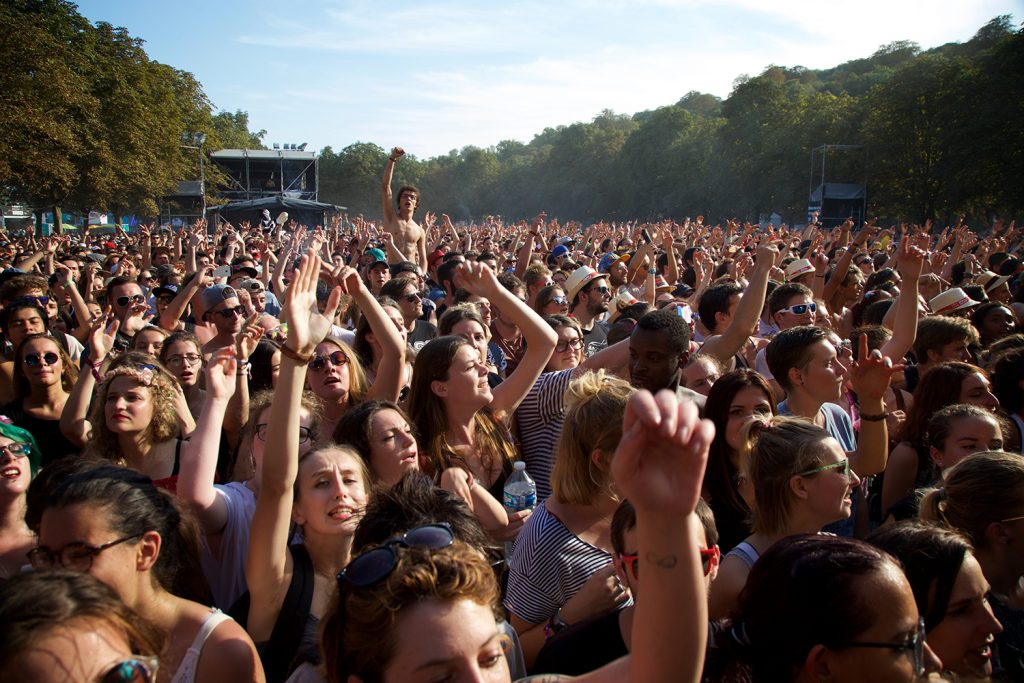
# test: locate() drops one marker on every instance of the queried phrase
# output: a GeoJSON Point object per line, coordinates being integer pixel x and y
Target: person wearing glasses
{"type": "Point", "coordinates": [802, 481]}
{"type": "Point", "coordinates": [950, 590]}
{"type": "Point", "coordinates": [324, 492]}
{"type": "Point", "coordinates": [406, 292]}
{"type": "Point", "coordinates": [227, 315]}
{"type": "Point", "coordinates": [336, 374]}
{"type": "Point", "coordinates": [550, 300]}
{"type": "Point", "coordinates": [789, 305]}
{"type": "Point", "coordinates": [820, 607]}
{"type": "Point", "coordinates": [423, 605]}
{"type": "Point", "coordinates": [20, 459]}
{"type": "Point", "coordinates": [593, 643]}
{"type": "Point", "coordinates": [127, 302]}
{"type": "Point", "coordinates": [115, 525]}
{"type": "Point", "coordinates": [67, 626]}
{"type": "Point", "coordinates": [590, 296]}
{"type": "Point", "coordinates": [983, 497]}
{"type": "Point", "coordinates": [182, 355]}
{"type": "Point", "coordinates": [44, 376]}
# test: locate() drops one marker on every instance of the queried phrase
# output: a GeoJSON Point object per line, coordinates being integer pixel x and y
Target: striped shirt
{"type": "Point", "coordinates": [539, 421]}
{"type": "Point", "coordinates": [548, 566]}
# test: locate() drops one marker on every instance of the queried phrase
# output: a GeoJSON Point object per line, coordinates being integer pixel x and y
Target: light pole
{"type": "Point", "coordinates": [200, 139]}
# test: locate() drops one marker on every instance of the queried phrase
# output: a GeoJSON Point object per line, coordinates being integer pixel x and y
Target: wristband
{"type": "Point", "coordinates": [288, 352]}
{"type": "Point", "coordinates": [873, 418]}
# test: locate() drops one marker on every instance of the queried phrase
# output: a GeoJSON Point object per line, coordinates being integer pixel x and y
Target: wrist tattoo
{"type": "Point", "coordinates": [665, 562]}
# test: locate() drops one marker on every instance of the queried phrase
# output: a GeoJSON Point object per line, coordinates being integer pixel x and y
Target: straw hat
{"type": "Point", "coordinates": [950, 301]}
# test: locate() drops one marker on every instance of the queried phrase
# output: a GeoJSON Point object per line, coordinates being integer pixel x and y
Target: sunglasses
{"type": "Point", "coordinates": [800, 309]}
{"type": "Point", "coordinates": [560, 300]}
{"type": "Point", "coordinates": [412, 298]}
{"type": "Point", "coordinates": [138, 669]}
{"type": "Point", "coordinates": [227, 313]}
{"type": "Point", "coordinates": [337, 359]}
{"type": "Point", "coordinates": [603, 289]}
{"type": "Point", "coordinates": [18, 450]}
{"type": "Point", "coordinates": [123, 301]}
{"type": "Point", "coordinates": [843, 465]}
{"type": "Point", "coordinates": [41, 301]}
{"type": "Point", "coordinates": [33, 360]}
{"type": "Point", "coordinates": [709, 557]}
{"type": "Point", "coordinates": [375, 565]}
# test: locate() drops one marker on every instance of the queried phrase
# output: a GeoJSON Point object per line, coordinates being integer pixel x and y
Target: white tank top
{"type": "Point", "coordinates": [186, 672]}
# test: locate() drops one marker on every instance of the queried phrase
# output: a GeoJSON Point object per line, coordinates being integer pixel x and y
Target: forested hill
{"type": "Point", "coordinates": [942, 129]}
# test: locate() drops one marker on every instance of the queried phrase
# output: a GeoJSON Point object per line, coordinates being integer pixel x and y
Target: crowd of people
{"type": "Point", "coordinates": [273, 452]}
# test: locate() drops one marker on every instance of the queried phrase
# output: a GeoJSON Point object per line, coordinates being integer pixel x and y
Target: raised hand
{"type": "Point", "coordinates": [249, 336]}
{"type": "Point", "coordinates": [871, 375]}
{"type": "Point", "coordinates": [476, 278]}
{"type": "Point", "coordinates": [220, 373]}
{"type": "Point", "coordinates": [396, 153]}
{"type": "Point", "coordinates": [659, 463]}
{"type": "Point", "coordinates": [307, 326]}
{"type": "Point", "coordinates": [103, 334]}
{"type": "Point", "coordinates": [910, 261]}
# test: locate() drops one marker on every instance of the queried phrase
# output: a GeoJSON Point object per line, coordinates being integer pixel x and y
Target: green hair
{"type": "Point", "coordinates": [22, 436]}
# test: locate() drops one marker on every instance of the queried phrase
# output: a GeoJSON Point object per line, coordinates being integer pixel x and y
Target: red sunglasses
{"type": "Point", "coordinates": [708, 558]}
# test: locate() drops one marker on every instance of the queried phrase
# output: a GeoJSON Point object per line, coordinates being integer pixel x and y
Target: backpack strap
{"type": "Point", "coordinates": [291, 621]}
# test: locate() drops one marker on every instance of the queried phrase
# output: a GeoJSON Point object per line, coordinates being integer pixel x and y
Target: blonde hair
{"type": "Point", "coordinates": [980, 489]}
{"type": "Point", "coordinates": [774, 451]}
{"type": "Point", "coordinates": [147, 372]}
{"type": "Point", "coordinates": [358, 386]}
{"type": "Point", "coordinates": [595, 403]}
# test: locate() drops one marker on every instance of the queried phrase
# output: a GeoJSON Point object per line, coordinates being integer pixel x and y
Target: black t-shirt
{"type": "Point", "coordinates": [596, 338]}
{"type": "Point", "coordinates": [582, 647]}
{"type": "Point", "coordinates": [53, 444]}
{"type": "Point", "coordinates": [421, 333]}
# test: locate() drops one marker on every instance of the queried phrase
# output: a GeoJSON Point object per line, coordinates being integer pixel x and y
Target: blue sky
{"type": "Point", "coordinates": [437, 75]}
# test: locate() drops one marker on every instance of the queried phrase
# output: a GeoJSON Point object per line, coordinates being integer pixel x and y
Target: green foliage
{"type": "Point", "coordinates": [90, 121]}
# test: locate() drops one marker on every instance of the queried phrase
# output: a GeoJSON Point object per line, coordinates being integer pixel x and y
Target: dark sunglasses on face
{"type": "Point", "coordinates": [413, 298]}
{"type": "Point", "coordinates": [41, 301]}
{"type": "Point", "coordinates": [603, 289]}
{"type": "Point", "coordinates": [560, 300]}
{"type": "Point", "coordinates": [337, 359]}
{"type": "Point", "coordinates": [34, 359]}
{"type": "Point", "coordinates": [227, 313]}
{"type": "Point", "coordinates": [123, 301]}
{"type": "Point", "coordinates": [375, 565]}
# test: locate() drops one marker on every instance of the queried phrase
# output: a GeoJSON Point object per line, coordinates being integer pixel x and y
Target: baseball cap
{"type": "Point", "coordinates": [215, 294]}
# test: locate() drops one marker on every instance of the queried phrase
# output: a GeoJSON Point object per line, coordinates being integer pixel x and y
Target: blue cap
{"type": "Point", "coordinates": [378, 257]}
{"type": "Point", "coordinates": [560, 250]}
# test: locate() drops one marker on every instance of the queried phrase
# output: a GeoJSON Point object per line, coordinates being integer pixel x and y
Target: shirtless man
{"type": "Point", "coordinates": [410, 239]}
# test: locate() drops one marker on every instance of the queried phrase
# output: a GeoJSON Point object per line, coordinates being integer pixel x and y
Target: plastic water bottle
{"type": "Point", "coordinates": [520, 494]}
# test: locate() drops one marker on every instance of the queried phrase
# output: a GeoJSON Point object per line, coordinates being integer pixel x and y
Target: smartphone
{"type": "Point", "coordinates": [685, 312]}
{"type": "Point", "coordinates": [222, 271]}
{"type": "Point", "coordinates": [645, 235]}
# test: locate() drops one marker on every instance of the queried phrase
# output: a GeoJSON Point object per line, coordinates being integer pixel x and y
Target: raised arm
{"type": "Point", "coordinates": [198, 465]}
{"type": "Point", "coordinates": [748, 310]}
{"type": "Point", "coordinates": [904, 322]}
{"type": "Point", "coordinates": [540, 339]}
{"type": "Point", "coordinates": [870, 377]}
{"type": "Point", "coordinates": [74, 422]}
{"type": "Point", "coordinates": [386, 199]}
{"type": "Point", "coordinates": [659, 466]}
{"type": "Point", "coordinates": [388, 383]}
{"type": "Point", "coordinates": [268, 567]}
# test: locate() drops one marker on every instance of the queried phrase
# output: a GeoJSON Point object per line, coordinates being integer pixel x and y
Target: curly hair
{"type": "Point", "coordinates": [147, 373]}
{"type": "Point", "coordinates": [358, 635]}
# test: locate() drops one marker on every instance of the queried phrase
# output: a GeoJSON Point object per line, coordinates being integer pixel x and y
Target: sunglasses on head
{"type": "Point", "coordinates": [35, 359]}
{"type": "Point", "coordinates": [40, 301]}
{"type": "Point", "coordinates": [231, 312]}
{"type": "Point", "coordinates": [337, 359]}
{"type": "Point", "coordinates": [123, 301]}
{"type": "Point", "coordinates": [375, 565]}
